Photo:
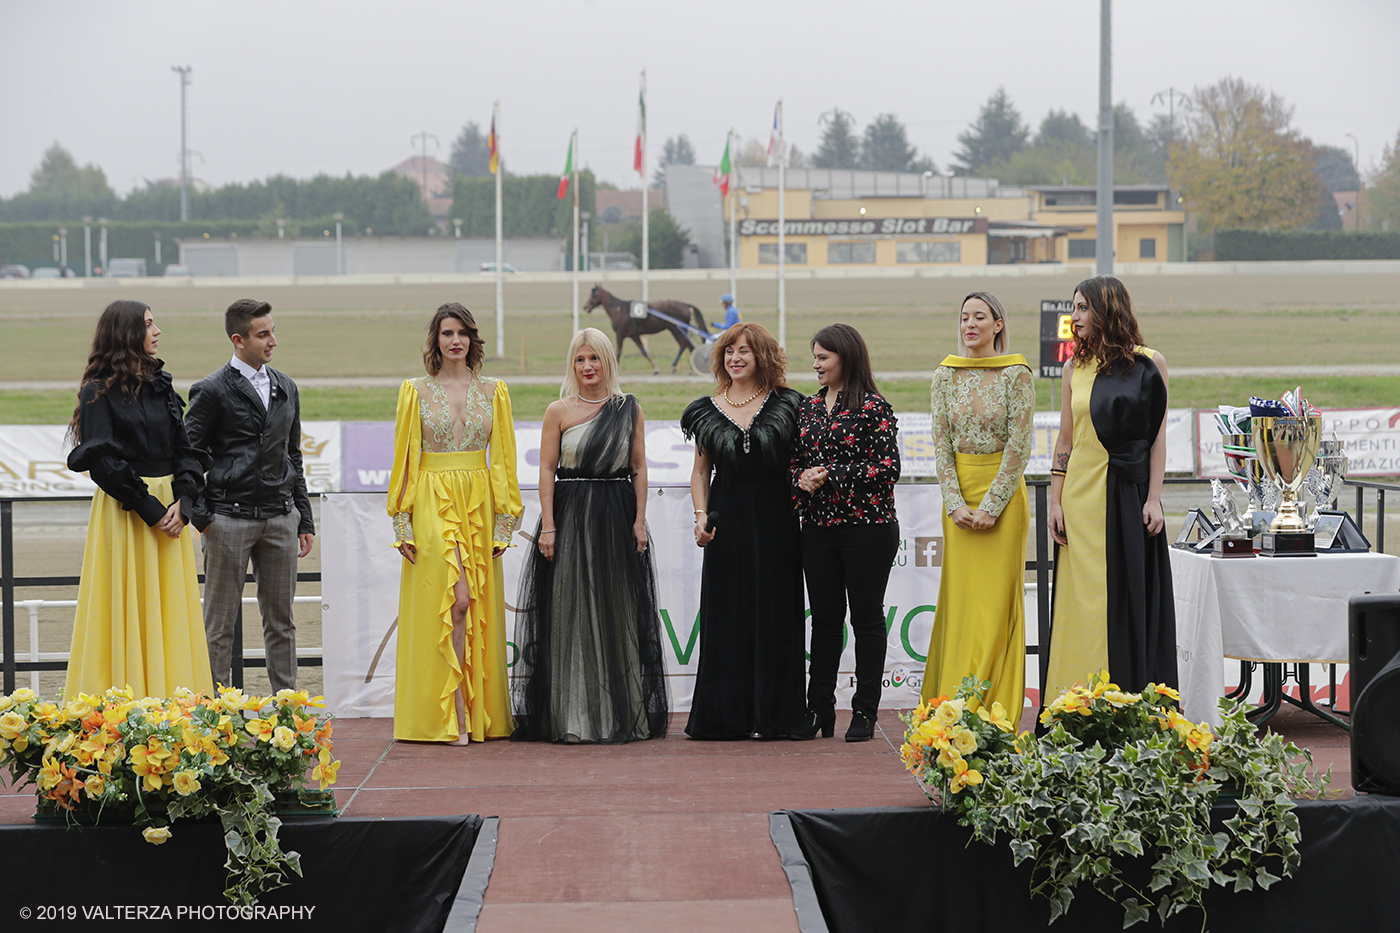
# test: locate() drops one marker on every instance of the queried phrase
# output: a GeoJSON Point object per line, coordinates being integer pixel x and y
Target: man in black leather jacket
{"type": "Point", "coordinates": [247, 416]}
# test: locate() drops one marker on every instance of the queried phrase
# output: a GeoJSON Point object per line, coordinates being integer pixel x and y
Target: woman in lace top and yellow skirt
{"type": "Point", "coordinates": [454, 499]}
{"type": "Point", "coordinates": [983, 403]}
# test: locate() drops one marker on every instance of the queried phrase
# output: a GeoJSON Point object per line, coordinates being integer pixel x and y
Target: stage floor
{"type": "Point", "coordinates": [668, 834]}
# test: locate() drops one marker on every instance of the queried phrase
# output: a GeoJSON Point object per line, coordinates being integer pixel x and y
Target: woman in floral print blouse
{"type": "Point", "coordinates": [844, 467]}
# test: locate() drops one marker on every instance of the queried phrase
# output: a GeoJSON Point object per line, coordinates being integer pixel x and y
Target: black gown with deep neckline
{"type": "Point", "coordinates": [751, 671]}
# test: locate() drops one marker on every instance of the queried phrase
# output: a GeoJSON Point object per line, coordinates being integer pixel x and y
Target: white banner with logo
{"type": "Point", "coordinates": [360, 580]}
{"type": "Point", "coordinates": [34, 460]}
{"type": "Point", "coordinates": [1371, 438]}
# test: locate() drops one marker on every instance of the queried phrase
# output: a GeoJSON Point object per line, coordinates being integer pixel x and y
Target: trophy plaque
{"type": "Point", "coordinates": [1286, 448]}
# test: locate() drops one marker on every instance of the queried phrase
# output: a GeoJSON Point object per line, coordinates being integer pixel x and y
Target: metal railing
{"type": "Point", "coordinates": [9, 583]}
{"type": "Point", "coordinates": [1043, 564]}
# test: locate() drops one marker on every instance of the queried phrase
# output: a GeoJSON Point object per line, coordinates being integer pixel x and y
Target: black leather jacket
{"type": "Point", "coordinates": [256, 451]}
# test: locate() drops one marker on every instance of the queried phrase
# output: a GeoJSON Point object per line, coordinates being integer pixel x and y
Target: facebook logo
{"type": "Point", "coordinates": [928, 552]}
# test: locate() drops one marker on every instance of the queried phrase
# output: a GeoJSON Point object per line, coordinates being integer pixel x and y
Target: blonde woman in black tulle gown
{"type": "Point", "coordinates": [588, 629]}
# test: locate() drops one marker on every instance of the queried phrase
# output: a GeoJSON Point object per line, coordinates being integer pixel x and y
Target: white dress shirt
{"type": "Point", "coordinates": [262, 382]}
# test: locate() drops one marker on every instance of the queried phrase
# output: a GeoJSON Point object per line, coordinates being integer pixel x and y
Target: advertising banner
{"type": "Point", "coordinates": [1371, 437]}
{"type": "Point", "coordinates": [360, 577]}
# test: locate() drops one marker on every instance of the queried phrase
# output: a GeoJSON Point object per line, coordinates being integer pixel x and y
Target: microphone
{"type": "Point", "coordinates": [711, 520]}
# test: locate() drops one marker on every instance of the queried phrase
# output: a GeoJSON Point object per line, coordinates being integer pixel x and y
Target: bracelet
{"type": "Point", "coordinates": [1058, 473]}
{"type": "Point", "coordinates": [546, 531]}
{"type": "Point", "coordinates": [701, 512]}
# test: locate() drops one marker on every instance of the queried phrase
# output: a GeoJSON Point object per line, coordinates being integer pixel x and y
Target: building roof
{"type": "Point", "coordinates": [438, 195]}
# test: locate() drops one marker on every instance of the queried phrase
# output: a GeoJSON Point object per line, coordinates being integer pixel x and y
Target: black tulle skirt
{"type": "Point", "coordinates": [590, 667]}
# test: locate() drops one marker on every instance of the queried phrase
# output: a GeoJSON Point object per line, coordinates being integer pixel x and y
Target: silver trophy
{"type": "Point", "coordinates": [1243, 465]}
{"type": "Point", "coordinates": [1231, 538]}
{"type": "Point", "coordinates": [1325, 478]}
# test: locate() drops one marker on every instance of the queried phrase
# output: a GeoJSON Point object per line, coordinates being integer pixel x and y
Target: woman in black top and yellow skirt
{"type": "Point", "coordinates": [983, 403]}
{"type": "Point", "coordinates": [139, 622]}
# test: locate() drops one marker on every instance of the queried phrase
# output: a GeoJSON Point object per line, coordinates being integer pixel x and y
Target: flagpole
{"type": "Point", "coordinates": [733, 209]}
{"type": "Point", "coordinates": [646, 219]}
{"type": "Point", "coordinates": [573, 149]}
{"type": "Point", "coordinates": [500, 245]}
{"type": "Point", "coordinates": [782, 230]}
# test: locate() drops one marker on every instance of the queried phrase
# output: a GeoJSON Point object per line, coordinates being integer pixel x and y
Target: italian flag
{"type": "Point", "coordinates": [568, 171]}
{"type": "Point", "coordinates": [722, 173]}
{"type": "Point", "coordinates": [641, 128]}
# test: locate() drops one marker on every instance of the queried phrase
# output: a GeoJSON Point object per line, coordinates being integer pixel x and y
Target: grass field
{"type": "Point", "coordinates": [1205, 320]}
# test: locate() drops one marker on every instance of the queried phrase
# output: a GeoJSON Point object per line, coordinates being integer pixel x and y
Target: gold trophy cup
{"type": "Point", "coordinates": [1286, 449]}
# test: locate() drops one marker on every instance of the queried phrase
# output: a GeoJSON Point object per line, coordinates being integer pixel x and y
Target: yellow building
{"type": "Point", "coordinates": [853, 218]}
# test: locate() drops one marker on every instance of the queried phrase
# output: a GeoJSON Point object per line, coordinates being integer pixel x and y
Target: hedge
{"type": "Point", "coordinates": [1264, 245]}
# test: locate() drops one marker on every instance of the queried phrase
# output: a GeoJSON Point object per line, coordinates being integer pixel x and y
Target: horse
{"type": "Point", "coordinates": [625, 326]}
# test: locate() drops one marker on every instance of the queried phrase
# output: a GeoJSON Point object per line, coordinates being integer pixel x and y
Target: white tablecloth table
{"type": "Point", "coordinates": [1275, 609]}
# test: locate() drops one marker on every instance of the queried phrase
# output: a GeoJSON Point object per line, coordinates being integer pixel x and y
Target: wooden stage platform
{"type": "Point", "coordinates": [662, 835]}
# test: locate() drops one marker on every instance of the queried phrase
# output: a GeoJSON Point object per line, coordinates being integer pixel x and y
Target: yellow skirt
{"type": "Point", "coordinates": [452, 515]}
{"type": "Point", "coordinates": [139, 622]}
{"type": "Point", "coordinates": [979, 625]}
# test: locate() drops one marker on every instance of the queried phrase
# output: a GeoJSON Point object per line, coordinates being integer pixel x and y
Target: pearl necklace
{"type": "Point", "coordinates": [744, 402]}
{"type": "Point", "coordinates": [591, 401]}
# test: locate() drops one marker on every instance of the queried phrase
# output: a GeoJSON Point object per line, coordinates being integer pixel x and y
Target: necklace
{"type": "Point", "coordinates": [591, 401]}
{"type": "Point", "coordinates": [744, 402]}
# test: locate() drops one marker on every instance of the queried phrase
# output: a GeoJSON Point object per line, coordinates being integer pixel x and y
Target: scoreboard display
{"type": "Point", "coordinates": [1056, 336]}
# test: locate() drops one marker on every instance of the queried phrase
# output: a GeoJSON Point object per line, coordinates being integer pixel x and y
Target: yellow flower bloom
{"type": "Point", "coordinates": [957, 783]}
{"type": "Point", "coordinates": [950, 712]}
{"type": "Point", "coordinates": [186, 783]}
{"type": "Point", "coordinates": [77, 709]}
{"type": "Point", "coordinates": [261, 729]}
{"type": "Point", "coordinates": [1168, 692]}
{"type": "Point", "coordinates": [1119, 699]}
{"type": "Point", "coordinates": [23, 695]}
{"type": "Point", "coordinates": [965, 742]}
{"type": "Point", "coordinates": [284, 738]}
{"type": "Point", "coordinates": [972, 776]}
{"type": "Point", "coordinates": [288, 697]}
{"type": "Point", "coordinates": [183, 693]}
{"type": "Point", "coordinates": [11, 725]}
{"type": "Point", "coordinates": [949, 758]}
{"type": "Point", "coordinates": [95, 785]}
{"type": "Point", "coordinates": [325, 771]}
{"type": "Point", "coordinates": [49, 773]}
{"type": "Point", "coordinates": [254, 703]}
{"type": "Point", "coordinates": [156, 835]}
{"type": "Point", "coordinates": [5, 703]}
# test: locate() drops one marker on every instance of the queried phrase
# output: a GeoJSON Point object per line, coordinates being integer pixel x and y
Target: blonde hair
{"type": "Point", "coordinates": [1002, 342]}
{"type": "Point", "coordinates": [597, 341]}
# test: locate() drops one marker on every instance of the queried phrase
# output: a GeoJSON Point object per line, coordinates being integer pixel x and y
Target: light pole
{"type": "Point", "coordinates": [102, 245]}
{"type": "Point", "coordinates": [87, 247]}
{"type": "Point", "coordinates": [63, 250]}
{"type": "Point", "coordinates": [1103, 234]}
{"type": "Point", "coordinates": [457, 223]}
{"type": "Point", "coordinates": [584, 216]}
{"type": "Point", "coordinates": [923, 184]}
{"type": "Point", "coordinates": [339, 249]}
{"type": "Point", "coordinates": [184, 72]}
{"type": "Point", "coordinates": [157, 249]}
{"type": "Point", "coordinates": [1359, 184]}
{"type": "Point", "coordinates": [281, 227]}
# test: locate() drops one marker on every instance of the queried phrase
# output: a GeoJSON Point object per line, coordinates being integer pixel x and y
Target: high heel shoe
{"type": "Point", "coordinates": [812, 722]}
{"type": "Point", "coordinates": [862, 728]}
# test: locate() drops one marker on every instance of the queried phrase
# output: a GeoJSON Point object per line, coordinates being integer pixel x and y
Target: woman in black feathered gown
{"type": "Point", "coordinates": [750, 679]}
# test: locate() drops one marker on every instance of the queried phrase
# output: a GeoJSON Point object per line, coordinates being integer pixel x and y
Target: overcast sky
{"type": "Point", "coordinates": [302, 87]}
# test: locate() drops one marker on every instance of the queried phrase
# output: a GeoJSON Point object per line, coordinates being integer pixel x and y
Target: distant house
{"type": "Point", "coordinates": [628, 203]}
{"type": "Point", "coordinates": [434, 181]}
{"type": "Point", "coordinates": [1347, 207]}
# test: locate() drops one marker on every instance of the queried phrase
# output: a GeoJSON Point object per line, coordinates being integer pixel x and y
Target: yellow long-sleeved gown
{"type": "Point", "coordinates": [457, 484]}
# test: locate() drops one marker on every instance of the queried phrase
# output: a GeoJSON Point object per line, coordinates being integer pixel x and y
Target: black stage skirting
{"type": "Point", "coordinates": [358, 874]}
{"type": "Point", "coordinates": [915, 869]}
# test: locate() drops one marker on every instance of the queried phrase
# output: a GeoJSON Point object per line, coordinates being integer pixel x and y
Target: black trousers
{"type": "Point", "coordinates": [848, 564]}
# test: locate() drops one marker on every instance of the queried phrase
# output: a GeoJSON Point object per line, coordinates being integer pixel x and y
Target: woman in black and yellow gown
{"type": "Point", "coordinates": [588, 630]}
{"type": "Point", "coordinates": [454, 501]}
{"type": "Point", "coordinates": [748, 683]}
{"type": "Point", "coordinates": [983, 403]}
{"type": "Point", "coordinates": [1113, 586]}
{"type": "Point", "coordinates": [139, 622]}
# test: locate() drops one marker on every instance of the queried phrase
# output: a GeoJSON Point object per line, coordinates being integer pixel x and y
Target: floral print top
{"type": "Point", "coordinates": [860, 450]}
{"type": "Point", "coordinates": [982, 406]}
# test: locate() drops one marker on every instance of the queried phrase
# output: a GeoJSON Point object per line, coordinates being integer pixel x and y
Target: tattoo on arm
{"type": "Point", "coordinates": [1062, 461]}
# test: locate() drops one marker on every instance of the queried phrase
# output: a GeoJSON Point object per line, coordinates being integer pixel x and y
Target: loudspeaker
{"type": "Point", "coordinates": [1374, 629]}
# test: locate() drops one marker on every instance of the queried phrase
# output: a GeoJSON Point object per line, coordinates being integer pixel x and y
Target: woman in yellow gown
{"type": "Point", "coordinates": [1113, 605]}
{"type": "Point", "coordinates": [983, 403]}
{"type": "Point", "coordinates": [139, 622]}
{"type": "Point", "coordinates": [454, 500]}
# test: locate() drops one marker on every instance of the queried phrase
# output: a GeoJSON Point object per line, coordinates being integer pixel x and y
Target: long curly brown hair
{"type": "Point", "coordinates": [769, 359]}
{"type": "Point", "coordinates": [1115, 334]}
{"type": "Point", "coordinates": [118, 357]}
